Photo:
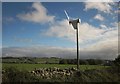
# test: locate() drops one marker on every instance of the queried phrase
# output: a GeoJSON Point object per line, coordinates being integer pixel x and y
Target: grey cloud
{"type": "Point", "coordinates": [59, 52]}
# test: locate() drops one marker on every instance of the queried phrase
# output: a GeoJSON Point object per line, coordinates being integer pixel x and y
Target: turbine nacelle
{"type": "Point", "coordinates": [73, 22]}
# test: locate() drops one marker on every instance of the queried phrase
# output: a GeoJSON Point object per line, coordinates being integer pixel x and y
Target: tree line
{"type": "Point", "coordinates": [32, 60]}
{"type": "Point", "coordinates": [86, 62]}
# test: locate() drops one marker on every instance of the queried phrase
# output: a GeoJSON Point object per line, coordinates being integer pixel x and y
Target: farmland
{"type": "Point", "coordinates": [28, 63]}
{"type": "Point", "coordinates": [25, 73]}
{"type": "Point", "coordinates": [30, 67]}
{"type": "Point", "coordinates": [58, 70]}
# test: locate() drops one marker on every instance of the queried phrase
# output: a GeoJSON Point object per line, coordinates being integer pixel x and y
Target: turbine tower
{"type": "Point", "coordinates": [75, 24]}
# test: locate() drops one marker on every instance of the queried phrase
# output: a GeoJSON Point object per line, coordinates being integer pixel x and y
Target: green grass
{"type": "Point", "coordinates": [30, 67]}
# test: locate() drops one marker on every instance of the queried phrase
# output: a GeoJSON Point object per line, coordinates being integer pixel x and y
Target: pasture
{"type": "Point", "coordinates": [29, 67]}
{"type": "Point", "coordinates": [30, 60]}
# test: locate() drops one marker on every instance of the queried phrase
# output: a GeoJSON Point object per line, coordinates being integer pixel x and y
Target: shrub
{"type": "Point", "coordinates": [14, 75]}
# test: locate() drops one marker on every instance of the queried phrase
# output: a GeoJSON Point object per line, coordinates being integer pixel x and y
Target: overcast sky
{"type": "Point", "coordinates": [41, 29]}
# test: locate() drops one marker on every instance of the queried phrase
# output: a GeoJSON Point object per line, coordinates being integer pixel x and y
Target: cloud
{"type": "Point", "coordinates": [108, 41]}
{"type": "Point", "coordinates": [88, 32]}
{"type": "Point", "coordinates": [38, 15]}
{"type": "Point", "coordinates": [61, 52]}
{"type": "Point", "coordinates": [94, 41]}
{"type": "Point", "coordinates": [107, 48]}
{"type": "Point", "coordinates": [100, 6]}
{"type": "Point", "coordinates": [39, 51]}
{"type": "Point", "coordinates": [63, 30]}
{"type": "Point", "coordinates": [115, 24]}
{"type": "Point", "coordinates": [100, 1]}
{"type": "Point", "coordinates": [99, 17]}
{"type": "Point", "coordinates": [103, 26]}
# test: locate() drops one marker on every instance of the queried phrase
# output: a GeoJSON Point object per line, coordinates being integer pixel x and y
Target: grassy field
{"type": "Point", "coordinates": [44, 60]}
{"type": "Point", "coordinates": [30, 60]}
{"type": "Point", "coordinates": [30, 67]}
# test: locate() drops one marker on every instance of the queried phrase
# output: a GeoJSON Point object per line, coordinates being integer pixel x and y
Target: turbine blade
{"type": "Point", "coordinates": [66, 14]}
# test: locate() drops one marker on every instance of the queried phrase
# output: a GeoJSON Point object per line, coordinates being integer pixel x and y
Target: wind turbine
{"type": "Point", "coordinates": [75, 23]}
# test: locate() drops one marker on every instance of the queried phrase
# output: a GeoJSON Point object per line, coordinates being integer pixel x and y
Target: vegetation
{"type": "Point", "coordinates": [30, 60]}
{"type": "Point", "coordinates": [12, 74]}
{"type": "Point", "coordinates": [29, 67]}
{"type": "Point", "coordinates": [117, 61]}
{"type": "Point", "coordinates": [85, 62]}
{"type": "Point", "coordinates": [53, 60]}
{"type": "Point", "coordinates": [62, 73]}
